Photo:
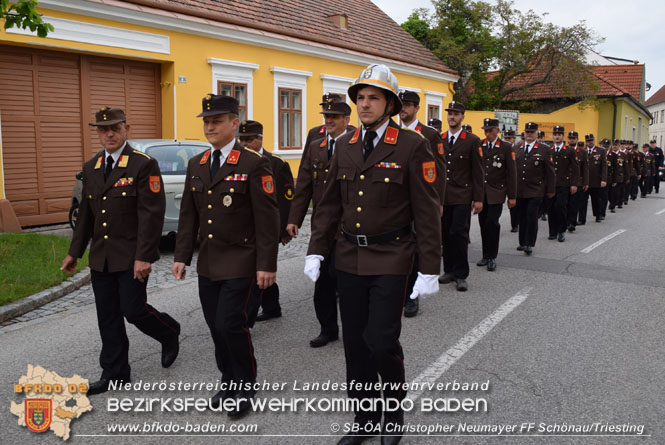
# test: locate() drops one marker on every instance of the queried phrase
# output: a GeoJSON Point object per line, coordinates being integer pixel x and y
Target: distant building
{"type": "Point", "coordinates": [656, 106]}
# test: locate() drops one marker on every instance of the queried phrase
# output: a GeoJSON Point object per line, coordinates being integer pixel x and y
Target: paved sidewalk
{"type": "Point", "coordinates": [160, 278]}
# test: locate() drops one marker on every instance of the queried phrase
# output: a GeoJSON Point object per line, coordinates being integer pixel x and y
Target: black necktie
{"type": "Point", "coordinates": [216, 154]}
{"type": "Point", "coordinates": [527, 149]}
{"type": "Point", "coordinates": [331, 145]}
{"type": "Point", "coordinates": [452, 140]}
{"type": "Point", "coordinates": [108, 167]}
{"type": "Point", "coordinates": [368, 143]}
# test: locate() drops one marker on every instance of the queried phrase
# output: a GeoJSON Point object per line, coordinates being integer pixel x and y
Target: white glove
{"type": "Point", "coordinates": [312, 266]}
{"type": "Point", "coordinates": [425, 285]}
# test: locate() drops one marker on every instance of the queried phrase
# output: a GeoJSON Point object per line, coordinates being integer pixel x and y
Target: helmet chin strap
{"type": "Point", "coordinates": [386, 113]}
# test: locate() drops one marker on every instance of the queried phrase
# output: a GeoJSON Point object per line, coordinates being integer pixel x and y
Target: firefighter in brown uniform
{"type": "Point", "coordinates": [500, 181]}
{"type": "Point", "coordinates": [648, 164]}
{"type": "Point", "coordinates": [604, 191]}
{"type": "Point", "coordinates": [627, 170]}
{"type": "Point", "coordinates": [250, 135]}
{"type": "Point", "coordinates": [579, 202]}
{"type": "Point", "coordinates": [616, 158]}
{"type": "Point", "coordinates": [312, 177]}
{"type": "Point", "coordinates": [229, 202]}
{"type": "Point", "coordinates": [382, 182]}
{"type": "Point", "coordinates": [597, 175]}
{"type": "Point", "coordinates": [122, 210]}
{"type": "Point", "coordinates": [636, 172]}
{"type": "Point", "coordinates": [567, 169]}
{"type": "Point", "coordinates": [319, 131]}
{"type": "Point", "coordinates": [509, 136]}
{"type": "Point", "coordinates": [464, 191]}
{"type": "Point", "coordinates": [535, 178]}
{"type": "Point", "coordinates": [436, 124]}
{"type": "Point", "coordinates": [408, 116]}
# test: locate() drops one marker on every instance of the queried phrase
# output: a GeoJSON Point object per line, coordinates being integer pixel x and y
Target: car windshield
{"type": "Point", "coordinates": [173, 159]}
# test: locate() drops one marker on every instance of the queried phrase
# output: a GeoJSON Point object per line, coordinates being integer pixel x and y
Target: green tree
{"type": "Point", "coordinates": [418, 26]}
{"type": "Point", "coordinates": [501, 52]}
{"type": "Point", "coordinates": [23, 14]}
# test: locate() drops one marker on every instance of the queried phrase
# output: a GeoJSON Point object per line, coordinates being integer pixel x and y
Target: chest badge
{"type": "Point", "coordinates": [227, 200]}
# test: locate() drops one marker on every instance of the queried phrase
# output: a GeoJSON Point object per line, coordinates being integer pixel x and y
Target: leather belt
{"type": "Point", "coordinates": [366, 240]}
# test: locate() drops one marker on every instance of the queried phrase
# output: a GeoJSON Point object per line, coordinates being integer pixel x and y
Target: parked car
{"type": "Point", "coordinates": [172, 156]}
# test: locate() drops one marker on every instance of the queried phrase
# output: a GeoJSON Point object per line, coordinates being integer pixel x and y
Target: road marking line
{"type": "Point", "coordinates": [660, 212]}
{"type": "Point", "coordinates": [599, 242]}
{"type": "Point", "coordinates": [452, 355]}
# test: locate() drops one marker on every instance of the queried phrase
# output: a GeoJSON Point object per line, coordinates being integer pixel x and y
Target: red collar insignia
{"type": "Point", "coordinates": [205, 157]}
{"type": "Point", "coordinates": [354, 139]}
{"type": "Point", "coordinates": [323, 129]}
{"type": "Point", "coordinates": [419, 129]}
{"type": "Point", "coordinates": [391, 135]}
{"type": "Point", "coordinates": [463, 135]}
{"type": "Point", "coordinates": [233, 157]}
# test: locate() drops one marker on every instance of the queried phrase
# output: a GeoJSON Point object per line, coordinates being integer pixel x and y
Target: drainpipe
{"type": "Point", "coordinates": [614, 118]}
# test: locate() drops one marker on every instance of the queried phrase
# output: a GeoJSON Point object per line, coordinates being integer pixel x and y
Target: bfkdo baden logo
{"type": "Point", "coordinates": [51, 402]}
{"type": "Point", "coordinates": [38, 414]}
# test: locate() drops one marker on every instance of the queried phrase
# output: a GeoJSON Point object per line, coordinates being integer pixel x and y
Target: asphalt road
{"type": "Point", "coordinates": [564, 338]}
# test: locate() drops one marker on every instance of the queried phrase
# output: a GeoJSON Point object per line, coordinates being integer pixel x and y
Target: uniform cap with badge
{"type": "Point", "coordinates": [409, 96]}
{"type": "Point", "coordinates": [489, 123]}
{"type": "Point", "coordinates": [436, 123]}
{"type": "Point", "coordinates": [541, 134]}
{"type": "Point", "coordinates": [558, 129]}
{"type": "Point", "coordinates": [456, 106]}
{"type": "Point", "coordinates": [509, 134]}
{"type": "Point", "coordinates": [107, 116]}
{"type": "Point", "coordinates": [331, 98]}
{"type": "Point", "coordinates": [250, 128]}
{"type": "Point", "coordinates": [341, 108]}
{"type": "Point", "coordinates": [589, 137]}
{"type": "Point", "coordinates": [531, 126]}
{"type": "Point", "coordinates": [573, 134]}
{"type": "Point", "coordinates": [467, 128]}
{"type": "Point", "coordinates": [214, 104]}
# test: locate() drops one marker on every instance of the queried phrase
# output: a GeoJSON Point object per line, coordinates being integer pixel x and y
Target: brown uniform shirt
{"type": "Point", "coordinates": [319, 132]}
{"type": "Point", "coordinates": [619, 167]}
{"type": "Point", "coordinates": [393, 188]}
{"type": "Point", "coordinates": [123, 215]}
{"type": "Point", "coordinates": [648, 165]}
{"type": "Point", "coordinates": [312, 174]}
{"type": "Point", "coordinates": [535, 171]}
{"type": "Point", "coordinates": [235, 216]}
{"type": "Point", "coordinates": [597, 166]}
{"type": "Point", "coordinates": [500, 171]}
{"type": "Point", "coordinates": [627, 166]}
{"type": "Point", "coordinates": [436, 145]}
{"type": "Point", "coordinates": [638, 160]}
{"type": "Point", "coordinates": [566, 166]}
{"type": "Point", "coordinates": [583, 158]}
{"type": "Point", "coordinates": [465, 172]}
{"type": "Point", "coordinates": [281, 171]}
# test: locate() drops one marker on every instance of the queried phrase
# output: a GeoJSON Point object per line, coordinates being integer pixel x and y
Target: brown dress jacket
{"type": "Point", "coordinates": [500, 171]}
{"type": "Point", "coordinates": [123, 215]}
{"type": "Point", "coordinates": [281, 171]}
{"type": "Point", "coordinates": [465, 172]}
{"type": "Point", "coordinates": [597, 166]}
{"type": "Point", "coordinates": [235, 216]}
{"type": "Point", "coordinates": [436, 145]}
{"type": "Point", "coordinates": [535, 171]}
{"type": "Point", "coordinates": [566, 166]}
{"type": "Point", "coordinates": [583, 158]}
{"type": "Point", "coordinates": [648, 164]}
{"type": "Point", "coordinates": [393, 188]}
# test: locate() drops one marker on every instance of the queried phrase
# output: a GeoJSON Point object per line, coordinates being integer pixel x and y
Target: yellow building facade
{"type": "Point", "coordinates": [191, 58]}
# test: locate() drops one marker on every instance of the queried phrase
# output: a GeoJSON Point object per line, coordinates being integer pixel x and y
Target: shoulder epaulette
{"type": "Point", "coordinates": [413, 131]}
{"type": "Point", "coordinates": [252, 151]}
{"type": "Point", "coordinates": [142, 154]}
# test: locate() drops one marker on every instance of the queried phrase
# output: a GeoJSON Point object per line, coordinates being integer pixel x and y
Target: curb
{"type": "Point", "coordinates": [29, 303]}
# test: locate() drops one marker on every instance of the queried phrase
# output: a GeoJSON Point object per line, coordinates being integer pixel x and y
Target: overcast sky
{"type": "Point", "coordinates": [632, 30]}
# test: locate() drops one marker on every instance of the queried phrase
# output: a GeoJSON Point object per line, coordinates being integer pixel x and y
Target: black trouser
{"type": "Point", "coordinates": [371, 312]}
{"type": "Point", "coordinates": [556, 213]}
{"type": "Point", "coordinates": [596, 201]}
{"type": "Point", "coordinates": [604, 197]}
{"type": "Point", "coordinates": [229, 307]}
{"type": "Point", "coordinates": [626, 192]}
{"type": "Point", "coordinates": [325, 296]}
{"type": "Point", "coordinates": [269, 299]}
{"type": "Point", "coordinates": [615, 195]}
{"type": "Point", "coordinates": [634, 187]}
{"type": "Point", "coordinates": [577, 206]}
{"type": "Point", "coordinates": [455, 238]}
{"type": "Point", "coordinates": [656, 180]}
{"type": "Point", "coordinates": [118, 295]}
{"type": "Point", "coordinates": [514, 218]}
{"type": "Point", "coordinates": [645, 184]}
{"type": "Point", "coordinates": [412, 275]}
{"type": "Point", "coordinates": [544, 206]}
{"type": "Point", "coordinates": [490, 229]}
{"type": "Point", "coordinates": [528, 208]}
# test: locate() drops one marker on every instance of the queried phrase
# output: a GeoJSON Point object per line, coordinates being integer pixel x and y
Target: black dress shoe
{"type": "Point", "coordinates": [242, 405]}
{"type": "Point", "coordinates": [602, 218]}
{"type": "Point", "coordinates": [491, 265]}
{"type": "Point", "coordinates": [543, 217]}
{"type": "Point", "coordinates": [514, 229]}
{"type": "Point", "coordinates": [102, 385]}
{"type": "Point", "coordinates": [612, 211]}
{"type": "Point", "coordinates": [528, 250]}
{"type": "Point", "coordinates": [561, 237]}
{"type": "Point", "coordinates": [620, 206]}
{"type": "Point", "coordinates": [599, 220]}
{"type": "Point", "coordinates": [354, 438]}
{"type": "Point", "coordinates": [520, 248]}
{"type": "Point", "coordinates": [581, 223]}
{"type": "Point", "coordinates": [551, 237]}
{"type": "Point", "coordinates": [461, 285]}
{"type": "Point", "coordinates": [411, 308]}
{"type": "Point", "coordinates": [322, 340]}
{"type": "Point", "coordinates": [446, 278]}
{"type": "Point", "coordinates": [392, 428]}
{"type": "Point", "coordinates": [571, 228]}
{"type": "Point", "coordinates": [263, 316]}
{"type": "Point", "coordinates": [170, 349]}
{"type": "Point", "coordinates": [482, 262]}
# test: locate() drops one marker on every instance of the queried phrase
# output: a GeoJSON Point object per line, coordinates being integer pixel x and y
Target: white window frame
{"type": "Point", "coordinates": [297, 80]}
{"type": "Point", "coordinates": [434, 98]}
{"type": "Point", "coordinates": [235, 72]}
{"type": "Point", "coordinates": [625, 126]}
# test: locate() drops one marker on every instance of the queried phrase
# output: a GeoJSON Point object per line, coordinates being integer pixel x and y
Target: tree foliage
{"type": "Point", "coordinates": [500, 52]}
{"type": "Point", "coordinates": [23, 14]}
